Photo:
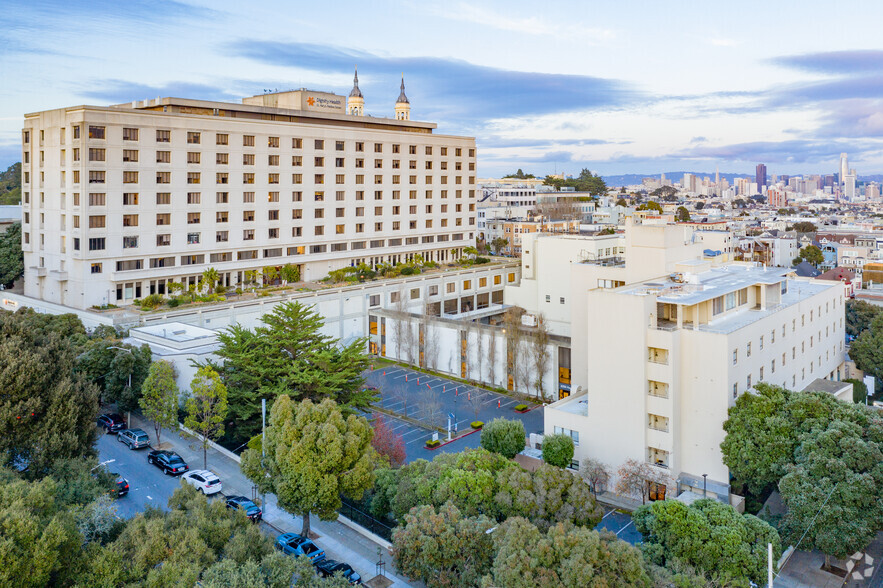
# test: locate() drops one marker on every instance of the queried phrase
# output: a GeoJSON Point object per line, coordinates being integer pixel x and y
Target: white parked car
{"type": "Point", "coordinates": [203, 480]}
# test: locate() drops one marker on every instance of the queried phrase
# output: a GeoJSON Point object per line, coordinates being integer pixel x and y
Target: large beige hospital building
{"type": "Point", "coordinates": [118, 201]}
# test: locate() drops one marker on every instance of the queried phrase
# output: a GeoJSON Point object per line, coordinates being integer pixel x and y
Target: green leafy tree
{"type": "Point", "coordinates": [832, 492]}
{"type": "Point", "coordinates": [708, 535]}
{"type": "Point", "coordinates": [210, 278]}
{"type": "Point", "coordinates": [10, 185]}
{"type": "Point", "coordinates": [682, 215]}
{"type": "Point", "coordinates": [622, 202]}
{"type": "Point", "coordinates": [117, 367]}
{"type": "Point", "coordinates": [859, 315]}
{"type": "Point", "coordinates": [159, 397]}
{"type": "Point", "coordinates": [520, 175]}
{"type": "Point", "coordinates": [558, 450]}
{"type": "Point", "coordinates": [810, 254]}
{"type": "Point", "coordinates": [12, 261]}
{"type": "Point", "coordinates": [859, 391]}
{"type": "Point", "coordinates": [503, 436]}
{"type": "Point", "coordinates": [760, 437]}
{"type": "Point", "coordinates": [206, 407]}
{"type": "Point", "coordinates": [288, 354]}
{"type": "Point", "coordinates": [804, 227]}
{"type": "Point", "coordinates": [565, 555]}
{"type": "Point", "coordinates": [867, 349]}
{"type": "Point", "coordinates": [312, 456]}
{"type": "Point", "coordinates": [47, 412]}
{"type": "Point", "coordinates": [651, 205]}
{"type": "Point", "coordinates": [290, 273]}
{"type": "Point", "coordinates": [443, 548]}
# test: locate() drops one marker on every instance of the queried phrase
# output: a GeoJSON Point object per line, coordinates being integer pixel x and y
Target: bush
{"type": "Point", "coordinates": [477, 424]}
{"type": "Point", "coordinates": [152, 301]}
{"type": "Point", "coordinates": [504, 437]}
{"type": "Point", "coordinates": [410, 270]}
{"type": "Point", "coordinates": [433, 443]}
{"type": "Point", "coordinates": [558, 450]}
{"type": "Point", "coordinates": [239, 291]}
{"type": "Point", "coordinates": [136, 302]}
{"type": "Point", "coordinates": [521, 407]}
{"type": "Point", "coordinates": [859, 391]}
{"type": "Point", "coordinates": [174, 302]}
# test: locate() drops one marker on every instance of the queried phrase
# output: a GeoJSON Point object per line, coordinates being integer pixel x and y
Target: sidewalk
{"type": "Point", "coordinates": [339, 541]}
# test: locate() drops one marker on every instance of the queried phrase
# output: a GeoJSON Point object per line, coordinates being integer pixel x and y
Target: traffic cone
{"type": "Point", "coordinates": [498, 403]}
{"type": "Point", "coordinates": [384, 372]}
{"type": "Point", "coordinates": [469, 396]}
{"type": "Point", "coordinates": [406, 377]}
{"type": "Point", "coordinates": [428, 386]}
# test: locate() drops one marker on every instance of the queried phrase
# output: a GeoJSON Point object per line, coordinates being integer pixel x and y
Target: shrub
{"type": "Point", "coordinates": [152, 301]}
{"type": "Point", "coordinates": [477, 424]}
{"type": "Point", "coordinates": [410, 270]}
{"type": "Point", "coordinates": [521, 407]}
{"type": "Point", "coordinates": [239, 291]}
{"type": "Point", "coordinates": [558, 450]}
{"type": "Point", "coordinates": [504, 437]}
{"type": "Point", "coordinates": [136, 302]}
{"type": "Point", "coordinates": [174, 302]}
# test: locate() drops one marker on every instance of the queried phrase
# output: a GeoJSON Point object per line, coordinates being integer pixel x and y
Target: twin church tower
{"type": "Point", "coordinates": [355, 103]}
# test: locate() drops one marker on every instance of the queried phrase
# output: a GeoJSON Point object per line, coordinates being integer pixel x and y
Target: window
{"type": "Point", "coordinates": [735, 356]}
{"type": "Point", "coordinates": [561, 300]}
{"type": "Point", "coordinates": [96, 132]}
{"type": "Point", "coordinates": [222, 178]}
{"type": "Point", "coordinates": [193, 238]}
{"type": "Point", "coordinates": [97, 177]}
{"type": "Point", "coordinates": [247, 215]}
{"type": "Point", "coordinates": [319, 144]}
{"type": "Point", "coordinates": [222, 216]}
{"type": "Point", "coordinates": [163, 156]}
{"type": "Point", "coordinates": [130, 155]}
{"type": "Point", "coordinates": [273, 142]}
{"type": "Point", "coordinates": [297, 143]}
{"type": "Point", "coordinates": [748, 350]}
{"type": "Point", "coordinates": [132, 264]}
{"type": "Point", "coordinates": [222, 139]}
{"type": "Point", "coordinates": [130, 220]}
{"type": "Point", "coordinates": [247, 197]}
{"type": "Point", "coordinates": [248, 159]}
{"type": "Point", "coordinates": [163, 198]}
{"type": "Point", "coordinates": [761, 343]}
{"type": "Point", "coordinates": [163, 219]}
{"type": "Point", "coordinates": [248, 178]}
{"type": "Point", "coordinates": [130, 177]}
{"type": "Point", "coordinates": [163, 177]}
{"type": "Point", "coordinates": [194, 197]}
{"type": "Point", "coordinates": [338, 145]}
{"type": "Point", "coordinates": [130, 242]}
{"type": "Point", "coordinates": [97, 222]}
{"type": "Point", "coordinates": [192, 218]}
{"type": "Point", "coordinates": [96, 244]}
{"type": "Point", "coordinates": [192, 137]}
{"type": "Point", "coordinates": [163, 136]}
{"type": "Point", "coordinates": [222, 237]}
{"type": "Point", "coordinates": [96, 268]}
{"type": "Point", "coordinates": [97, 199]}
{"type": "Point", "coordinates": [248, 140]}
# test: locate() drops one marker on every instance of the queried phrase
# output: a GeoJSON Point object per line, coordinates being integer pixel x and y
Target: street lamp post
{"type": "Point", "coordinates": [103, 463]}
{"type": "Point", "coordinates": [704, 485]}
{"type": "Point", "coordinates": [128, 413]}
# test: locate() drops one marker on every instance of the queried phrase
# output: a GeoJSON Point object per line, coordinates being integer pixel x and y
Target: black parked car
{"type": "Point", "coordinates": [122, 487]}
{"type": "Point", "coordinates": [169, 462]}
{"type": "Point", "coordinates": [329, 567]}
{"type": "Point", "coordinates": [112, 423]}
{"type": "Point", "coordinates": [252, 510]}
{"type": "Point", "coordinates": [134, 438]}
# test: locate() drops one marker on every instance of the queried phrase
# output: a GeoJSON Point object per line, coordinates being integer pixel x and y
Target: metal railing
{"type": "Point", "coordinates": [365, 520]}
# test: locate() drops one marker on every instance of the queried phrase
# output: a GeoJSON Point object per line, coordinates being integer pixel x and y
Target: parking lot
{"type": "Point", "coordinates": [429, 400]}
{"type": "Point", "coordinates": [622, 525]}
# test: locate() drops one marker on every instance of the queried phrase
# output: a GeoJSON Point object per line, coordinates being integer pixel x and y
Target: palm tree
{"type": "Point", "coordinates": [210, 277]}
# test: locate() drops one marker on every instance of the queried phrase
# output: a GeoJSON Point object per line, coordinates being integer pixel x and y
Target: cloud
{"type": "Point", "coordinates": [532, 25]}
{"type": "Point", "coordinates": [834, 62]}
{"type": "Point", "coordinates": [121, 91]}
{"type": "Point", "coordinates": [780, 152]}
{"type": "Point", "coordinates": [723, 42]}
{"type": "Point", "coordinates": [447, 89]}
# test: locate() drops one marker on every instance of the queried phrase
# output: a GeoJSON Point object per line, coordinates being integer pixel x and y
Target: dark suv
{"type": "Point", "coordinates": [329, 567]}
{"type": "Point", "coordinates": [122, 486]}
{"type": "Point", "coordinates": [134, 438]}
{"type": "Point", "coordinates": [170, 463]}
{"type": "Point", "coordinates": [252, 510]}
{"type": "Point", "coordinates": [112, 423]}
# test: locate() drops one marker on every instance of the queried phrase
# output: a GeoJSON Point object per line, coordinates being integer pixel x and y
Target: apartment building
{"type": "Point", "coordinates": [663, 344]}
{"type": "Point", "coordinates": [120, 201]}
{"type": "Point", "coordinates": [512, 229]}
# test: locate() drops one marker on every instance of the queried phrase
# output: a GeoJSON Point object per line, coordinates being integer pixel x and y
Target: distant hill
{"type": "Point", "coordinates": [10, 185]}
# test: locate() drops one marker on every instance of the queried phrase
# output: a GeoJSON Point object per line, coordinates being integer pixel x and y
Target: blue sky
{"type": "Point", "coordinates": [618, 87]}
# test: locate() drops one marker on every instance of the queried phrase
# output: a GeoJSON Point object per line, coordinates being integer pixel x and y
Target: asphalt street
{"type": "Point", "coordinates": [148, 486]}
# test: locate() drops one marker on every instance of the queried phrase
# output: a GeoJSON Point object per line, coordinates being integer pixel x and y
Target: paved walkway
{"type": "Point", "coordinates": [339, 541]}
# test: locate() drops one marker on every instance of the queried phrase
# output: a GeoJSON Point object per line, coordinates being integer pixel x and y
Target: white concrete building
{"type": "Point", "coordinates": [664, 356]}
{"type": "Point", "coordinates": [119, 201]}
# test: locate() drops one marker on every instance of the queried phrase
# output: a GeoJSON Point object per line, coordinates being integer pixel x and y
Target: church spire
{"type": "Point", "coordinates": [355, 104]}
{"type": "Point", "coordinates": [403, 106]}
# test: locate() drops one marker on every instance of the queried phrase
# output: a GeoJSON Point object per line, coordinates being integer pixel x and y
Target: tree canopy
{"type": "Point", "coordinates": [12, 258]}
{"type": "Point", "coordinates": [651, 205]}
{"type": "Point", "coordinates": [810, 254]}
{"type": "Point", "coordinates": [313, 454]}
{"type": "Point", "coordinates": [288, 354]}
{"type": "Point", "coordinates": [867, 349]}
{"type": "Point", "coordinates": [503, 436]}
{"type": "Point", "coordinates": [585, 182]}
{"type": "Point", "coordinates": [206, 407]}
{"type": "Point", "coordinates": [159, 399]}
{"type": "Point", "coordinates": [520, 175]}
{"type": "Point", "coordinates": [859, 315]}
{"type": "Point", "coordinates": [478, 481]}
{"type": "Point", "coordinates": [558, 450]}
{"type": "Point", "coordinates": [682, 215]}
{"type": "Point", "coordinates": [708, 535]}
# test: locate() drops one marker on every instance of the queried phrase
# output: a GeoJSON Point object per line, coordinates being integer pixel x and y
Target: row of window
{"type": "Point", "coordinates": [772, 339]}
{"type": "Point", "coordinates": [97, 154]}
{"type": "Point", "coordinates": [762, 375]}
{"type": "Point", "coordinates": [134, 177]}
{"type": "Point", "coordinates": [195, 138]}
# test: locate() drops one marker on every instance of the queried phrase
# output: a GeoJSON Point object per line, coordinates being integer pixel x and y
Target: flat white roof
{"type": "Point", "coordinates": [178, 332]}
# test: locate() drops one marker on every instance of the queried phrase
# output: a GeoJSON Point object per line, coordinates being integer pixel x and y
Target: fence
{"type": "Point", "coordinates": [363, 519]}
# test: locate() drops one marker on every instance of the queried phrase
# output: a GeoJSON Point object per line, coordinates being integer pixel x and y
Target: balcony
{"type": "Point", "coordinates": [657, 423]}
{"type": "Point", "coordinates": [658, 457]}
{"type": "Point", "coordinates": [40, 272]}
{"type": "Point", "coordinates": [657, 389]}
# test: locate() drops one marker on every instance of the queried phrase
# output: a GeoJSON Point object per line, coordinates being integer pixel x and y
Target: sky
{"type": "Point", "coordinates": [616, 87]}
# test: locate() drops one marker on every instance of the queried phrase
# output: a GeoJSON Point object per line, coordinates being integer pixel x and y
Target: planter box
{"type": "Point", "coordinates": [477, 424]}
{"type": "Point", "coordinates": [522, 408]}
{"type": "Point", "coordinates": [432, 444]}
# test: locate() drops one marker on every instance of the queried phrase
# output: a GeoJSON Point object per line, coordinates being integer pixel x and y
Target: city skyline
{"type": "Point", "coordinates": [614, 89]}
